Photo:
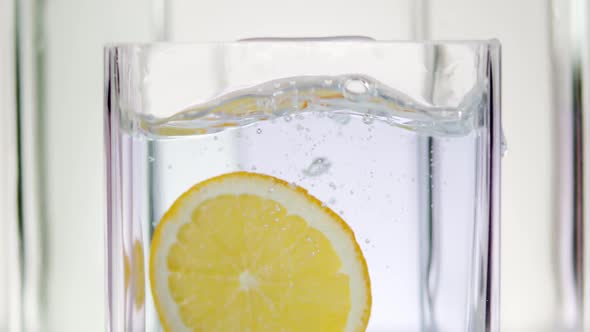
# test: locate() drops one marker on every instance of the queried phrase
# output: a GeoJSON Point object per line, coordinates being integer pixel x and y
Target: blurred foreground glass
{"type": "Point", "coordinates": [400, 142]}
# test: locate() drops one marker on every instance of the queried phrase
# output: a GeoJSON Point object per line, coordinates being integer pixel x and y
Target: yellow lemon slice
{"type": "Point", "coordinates": [136, 272]}
{"type": "Point", "coordinates": [250, 252]}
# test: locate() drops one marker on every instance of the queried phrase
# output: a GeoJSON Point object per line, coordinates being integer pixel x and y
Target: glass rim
{"type": "Point", "coordinates": [492, 42]}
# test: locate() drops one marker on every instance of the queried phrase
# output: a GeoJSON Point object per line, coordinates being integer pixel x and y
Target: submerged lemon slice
{"type": "Point", "coordinates": [249, 252]}
{"type": "Point", "coordinates": [133, 268]}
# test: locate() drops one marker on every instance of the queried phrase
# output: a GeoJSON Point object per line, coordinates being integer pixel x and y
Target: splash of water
{"type": "Point", "coordinates": [341, 96]}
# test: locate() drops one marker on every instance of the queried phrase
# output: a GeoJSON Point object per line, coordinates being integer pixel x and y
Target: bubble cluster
{"type": "Point", "coordinates": [368, 118]}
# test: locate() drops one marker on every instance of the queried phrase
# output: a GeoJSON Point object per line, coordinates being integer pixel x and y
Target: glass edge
{"type": "Point", "coordinates": [493, 319]}
{"type": "Point", "coordinates": [490, 43]}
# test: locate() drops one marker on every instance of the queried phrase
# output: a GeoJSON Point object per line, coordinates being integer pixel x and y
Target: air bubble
{"type": "Point", "coordinates": [259, 131]}
{"type": "Point", "coordinates": [341, 119]}
{"type": "Point", "coordinates": [367, 118]}
{"type": "Point", "coordinates": [356, 87]}
{"type": "Point", "coordinates": [317, 167]}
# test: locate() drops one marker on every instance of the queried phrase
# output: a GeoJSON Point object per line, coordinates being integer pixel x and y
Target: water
{"type": "Point", "coordinates": [402, 174]}
{"type": "Point", "coordinates": [338, 96]}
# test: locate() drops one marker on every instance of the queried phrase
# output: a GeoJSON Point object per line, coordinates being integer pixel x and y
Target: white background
{"type": "Point", "coordinates": [77, 29]}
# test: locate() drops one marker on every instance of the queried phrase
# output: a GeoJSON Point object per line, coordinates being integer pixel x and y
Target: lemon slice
{"type": "Point", "coordinates": [249, 252]}
{"type": "Point", "coordinates": [136, 272]}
